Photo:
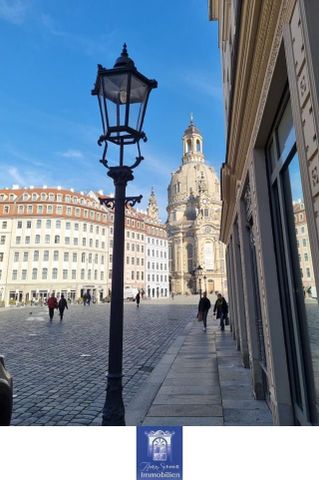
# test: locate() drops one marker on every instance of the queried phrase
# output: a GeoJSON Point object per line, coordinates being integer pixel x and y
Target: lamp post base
{"type": "Point", "coordinates": [113, 411]}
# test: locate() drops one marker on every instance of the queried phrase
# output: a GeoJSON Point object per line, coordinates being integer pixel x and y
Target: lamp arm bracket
{"type": "Point", "coordinates": [131, 201]}
{"type": "Point", "coordinates": [108, 202]}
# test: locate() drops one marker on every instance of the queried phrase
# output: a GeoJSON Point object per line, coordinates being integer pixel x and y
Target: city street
{"type": "Point", "coordinates": [59, 368]}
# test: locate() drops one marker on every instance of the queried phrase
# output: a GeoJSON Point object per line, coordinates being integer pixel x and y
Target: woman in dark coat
{"type": "Point", "coordinates": [221, 310]}
{"type": "Point", "coordinates": [62, 305]}
{"type": "Point", "coordinates": [203, 307]}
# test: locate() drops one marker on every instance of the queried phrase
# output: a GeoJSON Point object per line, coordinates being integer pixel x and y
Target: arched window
{"type": "Point", "coordinates": [190, 255]}
{"type": "Point", "coordinates": [209, 255]}
{"type": "Point", "coordinates": [198, 147]}
{"type": "Point", "coordinates": [189, 146]}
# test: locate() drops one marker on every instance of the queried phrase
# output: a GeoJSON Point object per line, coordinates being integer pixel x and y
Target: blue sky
{"type": "Point", "coordinates": [49, 122]}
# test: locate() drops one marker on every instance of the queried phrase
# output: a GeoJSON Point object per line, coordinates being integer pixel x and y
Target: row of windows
{"type": "Point", "coordinates": [134, 261]}
{"type": "Point", "coordinates": [156, 241]}
{"type": "Point", "coordinates": [133, 235]}
{"type": "Point", "coordinates": [58, 210]}
{"type": "Point", "coordinates": [133, 247]}
{"type": "Point", "coordinates": [51, 197]}
{"type": "Point", "coordinates": [67, 256]}
{"type": "Point", "coordinates": [57, 240]}
{"type": "Point", "coordinates": [159, 266]}
{"type": "Point", "coordinates": [137, 275]}
{"type": "Point", "coordinates": [156, 253]}
{"type": "Point", "coordinates": [158, 278]}
{"type": "Point", "coordinates": [49, 224]}
{"type": "Point", "coordinates": [66, 274]}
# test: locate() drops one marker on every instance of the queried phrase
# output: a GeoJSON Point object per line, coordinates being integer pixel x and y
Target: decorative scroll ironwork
{"type": "Point", "coordinates": [104, 160]}
{"type": "Point", "coordinates": [108, 202]}
{"type": "Point", "coordinates": [131, 201]}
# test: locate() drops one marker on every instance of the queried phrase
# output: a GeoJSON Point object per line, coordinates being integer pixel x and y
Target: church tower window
{"type": "Point", "coordinates": [198, 146]}
{"type": "Point", "coordinates": [190, 254]}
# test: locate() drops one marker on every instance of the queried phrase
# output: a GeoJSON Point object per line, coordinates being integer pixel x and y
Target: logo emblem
{"type": "Point", "coordinates": [159, 452]}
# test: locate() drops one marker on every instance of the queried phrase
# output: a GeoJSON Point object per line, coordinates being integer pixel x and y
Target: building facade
{"type": "Point", "coordinates": [270, 195]}
{"type": "Point", "coordinates": [156, 255]}
{"type": "Point", "coordinates": [54, 240]}
{"type": "Point", "coordinates": [197, 257]}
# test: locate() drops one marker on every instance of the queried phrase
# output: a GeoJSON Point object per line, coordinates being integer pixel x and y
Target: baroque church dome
{"type": "Point", "coordinates": [193, 223]}
{"type": "Point", "coordinates": [194, 177]}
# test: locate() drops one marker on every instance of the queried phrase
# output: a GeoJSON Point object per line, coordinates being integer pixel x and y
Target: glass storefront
{"type": "Point", "coordinates": [296, 277]}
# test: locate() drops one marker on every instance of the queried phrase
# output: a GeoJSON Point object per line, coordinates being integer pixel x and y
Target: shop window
{"type": "Point", "coordinates": [297, 292]}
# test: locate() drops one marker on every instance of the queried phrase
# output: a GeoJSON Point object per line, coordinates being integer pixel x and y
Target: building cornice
{"type": "Point", "coordinates": [261, 26]}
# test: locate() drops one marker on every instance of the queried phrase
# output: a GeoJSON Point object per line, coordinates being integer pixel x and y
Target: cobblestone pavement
{"type": "Point", "coordinates": [59, 369]}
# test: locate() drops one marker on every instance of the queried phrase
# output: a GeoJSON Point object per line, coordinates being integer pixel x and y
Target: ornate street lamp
{"type": "Point", "coordinates": [198, 275]}
{"type": "Point", "coordinates": [123, 94]}
{"type": "Point", "coordinates": [205, 283]}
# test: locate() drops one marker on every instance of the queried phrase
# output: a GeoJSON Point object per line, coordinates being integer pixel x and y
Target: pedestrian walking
{"type": "Point", "coordinates": [52, 304]}
{"type": "Point", "coordinates": [84, 298]}
{"type": "Point", "coordinates": [63, 304]}
{"type": "Point", "coordinates": [203, 308]}
{"type": "Point", "coordinates": [138, 299]}
{"type": "Point", "coordinates": [88, 298]}
{"type": "Point", "coordinates": [221, 310]}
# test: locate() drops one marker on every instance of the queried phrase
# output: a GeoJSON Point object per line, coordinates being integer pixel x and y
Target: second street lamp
{"type": "Point", "coordinates": [123, 94]}
{"type": "Point", "coordinates": [199, 271]}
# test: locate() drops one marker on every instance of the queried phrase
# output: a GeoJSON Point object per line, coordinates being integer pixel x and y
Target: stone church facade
{"type": "Point", "coordinates": [197, 257]}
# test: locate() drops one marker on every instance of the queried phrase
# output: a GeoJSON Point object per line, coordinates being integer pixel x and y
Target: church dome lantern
{"type": "Point", "coordinates": [192, 144]}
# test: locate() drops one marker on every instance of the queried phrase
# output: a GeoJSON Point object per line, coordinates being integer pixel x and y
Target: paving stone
{"type": "Point", "coordinates": [189, 390]}
{"type": "Point", "coordinates": [211, 382]}
{"type": "Point", "coordinates": [56, 379]}
{"type": "Point", "coordinates": [185, 421]}
{"type": "Point", "coordinates": [185, 411]}
{"type": "Point", "coordinates": [163, 399]}
{"type": "Point", "coordinates": [240, 417]}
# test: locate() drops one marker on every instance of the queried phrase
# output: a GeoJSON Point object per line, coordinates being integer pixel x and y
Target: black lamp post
{"type": "Point", "coordinates": [199, 271]}
{"type": "Point", "coordinates": [205, 283]}
{"type": "Point", "coordinates": [123, 94]}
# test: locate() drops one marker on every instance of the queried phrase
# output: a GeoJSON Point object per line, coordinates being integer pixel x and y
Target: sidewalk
{"type": "Point", "coordinates": [199, 381]}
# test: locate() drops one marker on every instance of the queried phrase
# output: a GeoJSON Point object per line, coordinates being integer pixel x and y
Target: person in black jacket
{"type": "Point", "coordinates": [61, 306]}
{"type": "Point", "coordinates": [203, 307]}
{"type": "Point", "coordinates": [221, 310]}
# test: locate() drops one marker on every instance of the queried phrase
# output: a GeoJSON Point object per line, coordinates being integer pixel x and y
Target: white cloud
{"type": "Point", "coordinates": [72, 154]}
{"type": "Point", "coordinates": [13, 11]}
{"type": "Point", "coordinates": [16, 175]}
{"type": "Point", "coordinates": [88, 45]}
{"type": "Point", "coordinates": [13, 175]}
{"type": "Point", "coordinates": [203, 83]}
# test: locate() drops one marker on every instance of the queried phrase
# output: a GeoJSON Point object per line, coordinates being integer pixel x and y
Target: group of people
{"type": "Point", "coordinates": [220, 310]}
{"type": "Point", "coordinates": [54, 304]}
